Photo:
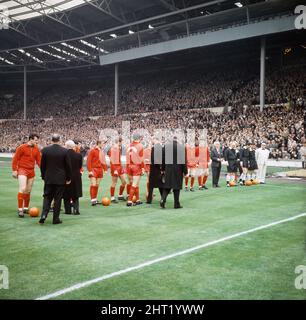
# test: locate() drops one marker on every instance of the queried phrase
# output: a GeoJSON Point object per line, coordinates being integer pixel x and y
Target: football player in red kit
{"type": "Point", "coordinates": [23, 165]}
{"type": "Point", "coordinates": [117, 170]}
{"type": "Point", "coordinates": [202, 154]}
{"type": "Point", "coordinates": [147, 162]}
{"type": "Point", "coordinates": [191, 166]}
{"type": "Point", "coordinates": [96, 165]}
{"type": "Point", "coordinates": [134, 168]}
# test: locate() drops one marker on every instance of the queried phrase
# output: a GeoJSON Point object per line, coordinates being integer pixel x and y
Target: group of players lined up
{"type": "Point", "coordinates": [241, 165]}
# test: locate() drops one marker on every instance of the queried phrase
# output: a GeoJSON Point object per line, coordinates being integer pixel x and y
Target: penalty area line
{"type": "Point", "coordinates": [165, 258]}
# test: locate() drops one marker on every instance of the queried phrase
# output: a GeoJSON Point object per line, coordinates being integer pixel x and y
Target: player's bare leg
{"type": "Point", "coordinates": [113, 188]}
{"type": "Point", "coordinates": [27, 195]}
{"type": "Point", "coordinates": [128, 187]}
{"type": "Point", "coordinates": [121, 188]}
{"type": "Point", "coordinates": [134, 191]}
{"type": "Point", "coordinates": [22, 181]}
{"type": "Point", "coordinates": [204, 178]}
{"type": "Point", "coordinates": [94, 187]}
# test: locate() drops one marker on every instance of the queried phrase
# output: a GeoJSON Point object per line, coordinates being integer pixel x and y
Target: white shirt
{"type": "Point", "coordinates": [262, 156]}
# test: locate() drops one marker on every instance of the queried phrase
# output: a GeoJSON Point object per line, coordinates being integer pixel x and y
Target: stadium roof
{"type": "Point", "coordinates": [21, 9]}
{"type": "Point", "coordinates": [60, 34]}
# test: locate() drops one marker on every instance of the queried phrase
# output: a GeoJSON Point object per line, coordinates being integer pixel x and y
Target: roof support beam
{"type": "Point", "coordinates": [105, 7]}
{"type": "Point", "coordinates": [56, 15]}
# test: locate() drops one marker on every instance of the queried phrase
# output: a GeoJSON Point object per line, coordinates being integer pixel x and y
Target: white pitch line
{"type": "Point", "coordinates": [168, 257]}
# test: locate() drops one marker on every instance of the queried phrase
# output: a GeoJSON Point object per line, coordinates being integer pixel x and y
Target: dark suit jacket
{"type": "Point", "coordinates": [214, 155]}
{"type": "Point", "coordinates": [155, 177]}
{"type": "Point", "coordinates": [55, 165]}
{"type": "Point", "coordinates": [74, 189]}
{"type": "Point", "coordinates": [174, 171]}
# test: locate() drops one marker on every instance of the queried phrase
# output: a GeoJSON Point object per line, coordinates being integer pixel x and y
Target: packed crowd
{"type": "Point", "coordinates": [280, 127]}
{"type": "Point", "coordinates": [178, 100]}
{"type": "Point", "coordinates": [163, 92]}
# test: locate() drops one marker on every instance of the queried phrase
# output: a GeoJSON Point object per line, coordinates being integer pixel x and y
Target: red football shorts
{"type": "Point", "coordinates": [134, 170]}
{"type": "Point", "coordinates": [119, 170]}
{"type": "Point", "coordinates": [29, 173]}
{"type": "Point", "coordinates": [97, 173]}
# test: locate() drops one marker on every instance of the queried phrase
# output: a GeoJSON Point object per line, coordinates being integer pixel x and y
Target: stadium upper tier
{"type": "Point", "coordinates": [158, 92]}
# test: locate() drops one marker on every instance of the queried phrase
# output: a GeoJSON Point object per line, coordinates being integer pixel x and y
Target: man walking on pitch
{"type": "Point", "coordinates": [175, 169]}
{"type": "Point", "coordinates": [56, 172]}
{"type": "Point", "coordinates": [262, 156]}
{"type": "Point", "coordinates": [23, 165]}
{"type": "Point", "coordinates": [96, 165]}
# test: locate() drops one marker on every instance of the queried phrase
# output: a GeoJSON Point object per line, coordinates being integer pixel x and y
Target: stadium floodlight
{"type": "Point", "coordinates": [86, 43]}
{"type": "Point", "coordinates": [51, 54]}
{"type": "Point", "coordinates": [30, 56]}
{"type": "Point", "coordinates": [131, 32]}
{"type": "Point", "coordinates": [63, 51]}
{"type": "Point", "coordinates": [238, 4]}
{"type": "Point", "coordinates": [113, 35]}
{"type": "Point", "coordinates": [150, 26]}
{"type": "Point", "coordinates": [7, 61]}
{"type": "Point", "coordinates": [74, 48]}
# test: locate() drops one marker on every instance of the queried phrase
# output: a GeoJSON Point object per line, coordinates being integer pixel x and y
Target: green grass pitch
{"type": "Point", "coordinates": [103, 240]}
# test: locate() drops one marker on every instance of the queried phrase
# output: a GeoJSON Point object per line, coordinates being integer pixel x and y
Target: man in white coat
{"type": "Point", "coordinates": [262, 155]}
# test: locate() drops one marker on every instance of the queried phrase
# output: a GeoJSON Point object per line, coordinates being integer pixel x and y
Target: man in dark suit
{"type": "Point", "coordinates": [56, 172]}
{"type": "Point", "coordinates": [155, 175]}
{"type": "Point", "coordinates": [73, 191]}
{"type": "Point", "coordinates": [175, 169]}
{"type": "Point", "coordinates": [216, 159]}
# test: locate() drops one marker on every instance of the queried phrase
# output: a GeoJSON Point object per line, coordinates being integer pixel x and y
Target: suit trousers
{"type": "Point", "coordinates": [215, 175]}
{"type": "Point", "coordinates": [150, 194]}
{"type": "Point", "coordinates": [176, 195]}
{"type": "Point", "coordinates": [52, 192]}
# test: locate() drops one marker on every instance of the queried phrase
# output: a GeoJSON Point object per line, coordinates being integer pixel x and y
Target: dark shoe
{"type": "Point", "coordinates": [20, 214]}
{"type": "Point", "coordinates": [178, 207]}
{"type": "Point", "coordinates": [57, 222]}
{"type": "Point", "coordinates": [122, 198]}
{"type": "Point", "coordinates": [138, 202]}
{"type": "Point", "coordinates": [148, 202]}
{"type": "Point", "coordinates": [26, 211]}
{"type": "Point", "coordinates": [162, 204]}
{"type": "Point", "coordinates": [76, 213]}
{"type": "Point", "coordinates": [217, 186]}
{"type": "Point", "coordinates": [129, 204]}
{"type": "Point", "coordinates": [192, 189]}
{"type": "Point", "coordinates": [114, 201]}
{"type": "Point", "coordinates": [204, 187]}
{"type": "Point", "coordinates": [41, 221]}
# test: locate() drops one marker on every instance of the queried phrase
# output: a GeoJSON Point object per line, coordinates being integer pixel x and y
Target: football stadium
{"type": "Point", "coordinates": [152, 150]}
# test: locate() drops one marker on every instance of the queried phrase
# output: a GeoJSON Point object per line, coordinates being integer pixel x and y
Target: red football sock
{"type": "Point", "coordinates": [128, 188]}
{"type": "Point", "coordinates": [131, 194]}
{"type": "Point", "coordinates": [200, 181]}
{"type": "Point", "coordinates": [96, 189]}
{"type": "Point", "coordinates": [121, 189]}
{"type": "Point", "coordinates": [192, 182]}
{"type": "Point", "coordinates": [20, 200]}
{"type": "Point", "coordinates": [26, 198]}
{"type": "Point", "coordinates": [204, 180]}
{"type": "Point", "coordinates": [186, 181]}
{"type": "Point", "coordinates": [91, 191]}
{"type": "Point", "coordinates": [137, 193]}
{"type": "Point", "coordinates": [112, 191]}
